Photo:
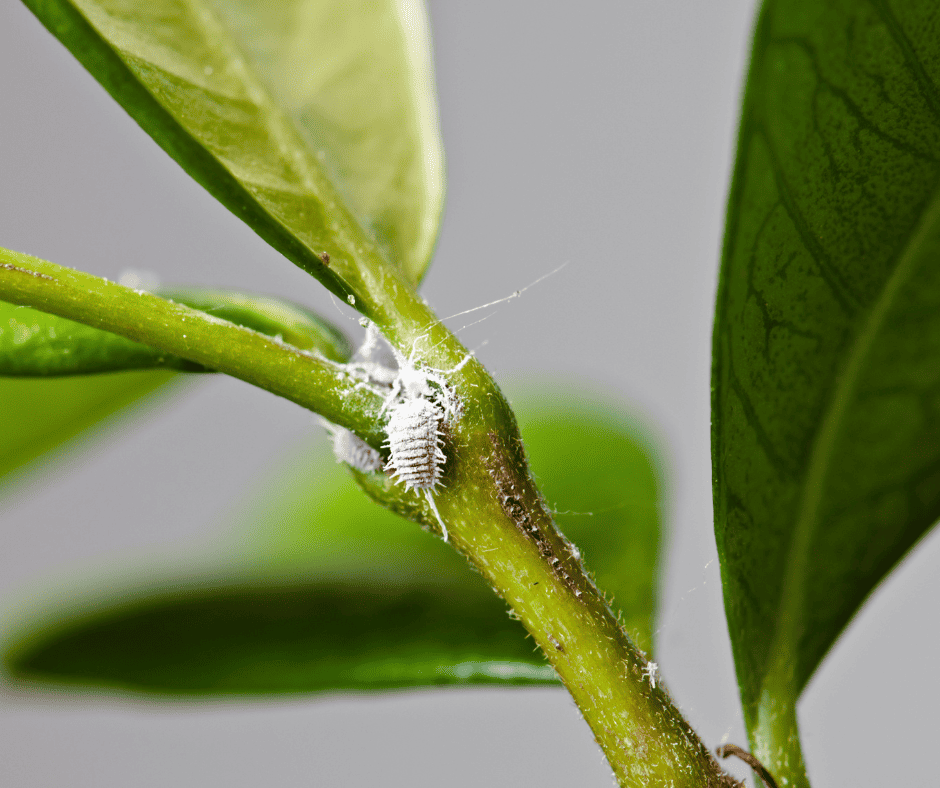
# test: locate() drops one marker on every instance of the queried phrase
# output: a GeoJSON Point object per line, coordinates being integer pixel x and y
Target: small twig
{"type": "Point", "coordinates": [732, 749]}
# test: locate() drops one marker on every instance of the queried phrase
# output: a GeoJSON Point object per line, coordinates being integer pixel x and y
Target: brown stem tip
{"type": "Point", "coordinates": [732, 749]}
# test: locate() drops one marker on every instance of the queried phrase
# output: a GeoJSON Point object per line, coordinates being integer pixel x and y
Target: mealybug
{"type": "Point", "coordinates": [353, 450]}
{"type": "Point", "coordinates": [419, 402]}
{"type": "Point", "coordinates": [414, 441]}
{"type": "Point", "coordinates": [650, 672]}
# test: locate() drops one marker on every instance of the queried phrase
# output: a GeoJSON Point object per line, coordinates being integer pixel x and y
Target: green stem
{"type": "Point", "coordinates": [496, 517]}
{"type": "Point", "coordinates": [775, 733]}
{"type": "Point", "coordinates": [493, 510]}
{"type": "Point", "coordinates": [307, 379]}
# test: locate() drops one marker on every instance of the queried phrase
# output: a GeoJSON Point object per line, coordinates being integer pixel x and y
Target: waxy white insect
{"type": "Point", "coordinates": [414, 441]}
{"type": "Point", "coordinates": [420, 404]}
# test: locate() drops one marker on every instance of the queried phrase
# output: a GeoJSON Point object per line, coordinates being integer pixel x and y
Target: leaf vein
{"type": "Point", "coordinates": [928, 88]}
{"type": "Point", "coordinates": [827, 270]}
{"type": "Point", "coordinates": [753, 420]}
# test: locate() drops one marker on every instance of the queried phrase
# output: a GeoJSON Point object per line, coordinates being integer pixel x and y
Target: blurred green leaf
{"type": "Point", "coordinates": [334, 593]}
{"type": "Point", "coordinates": [826, 438]}
{"type": "Point", "coordinates": [301, 637]}
{"type": "Point", "coordinates": [38, 344]}
{"type": "Point", "coordinates": [40, 415]}
{"type": "Point", "coordinates": [312, 121]}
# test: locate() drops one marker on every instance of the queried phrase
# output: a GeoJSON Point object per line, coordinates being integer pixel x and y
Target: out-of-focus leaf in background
{"type": "Point", "coordinates": [331, 592]}
{"type": "Point", "coordinates": [40, 415]}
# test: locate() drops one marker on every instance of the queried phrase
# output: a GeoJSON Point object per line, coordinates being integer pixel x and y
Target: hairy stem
{"type": "Point", "coordinates": [492, 509]}
{"type": "Point", "coordinates": [496, 517]}
{"type": "Point", "coordinates": [775, 733]}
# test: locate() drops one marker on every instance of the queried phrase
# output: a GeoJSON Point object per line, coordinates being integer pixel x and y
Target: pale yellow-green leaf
{"type": "Point", "coordinates": [314, 122]}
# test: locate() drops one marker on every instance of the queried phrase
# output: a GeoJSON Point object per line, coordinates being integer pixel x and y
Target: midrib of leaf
{"type": "Point", "coordinates": [779, 679]}
{"type": "Point", "coordinates": [414, 32]}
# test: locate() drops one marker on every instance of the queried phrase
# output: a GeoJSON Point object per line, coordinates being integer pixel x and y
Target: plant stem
{"type": "Point", "coordinates": [309, 380]}
{"type": "Point", "coordinates": [493, 510]}
{"type": "Point", "coordinates": [775, 734]}
{"type": "Point", "coordinates": [498, 520]}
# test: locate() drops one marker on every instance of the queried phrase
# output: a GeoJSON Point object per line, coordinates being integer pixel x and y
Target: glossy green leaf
{"type": "Point", "coordinates": [826, 438]}
{"type": "Point", "coordinates": [313, 122]}
{"type": "Point", "coordinates": [334, 593]}
{"type": "Point", "coordinates": [38, 344]}
{"type": "Point", "coordinates": [41, 415]}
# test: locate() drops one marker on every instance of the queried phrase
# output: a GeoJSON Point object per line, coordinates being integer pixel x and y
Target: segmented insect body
{"type": "Point", "coordinates": [414, 441]}
{"type": "Point", "coordinates": [354, 451]}
{"type": "Point", "coordinates": [419, 402]}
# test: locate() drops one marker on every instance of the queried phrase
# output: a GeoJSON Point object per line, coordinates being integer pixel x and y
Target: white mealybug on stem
{"type": "Point", "coordinates": [419, 402]}
{"type": "Point", "coordinates": [414, 441]}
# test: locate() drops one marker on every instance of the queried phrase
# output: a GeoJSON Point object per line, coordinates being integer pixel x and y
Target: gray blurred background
{"type": "Point", "coordinates": [596, 134]}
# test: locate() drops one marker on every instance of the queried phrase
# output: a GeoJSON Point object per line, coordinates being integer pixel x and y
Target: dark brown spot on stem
{"type": "Point", "coordinates": [509, 487]}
